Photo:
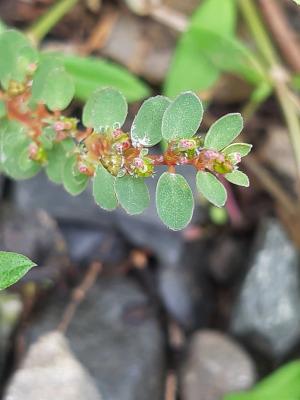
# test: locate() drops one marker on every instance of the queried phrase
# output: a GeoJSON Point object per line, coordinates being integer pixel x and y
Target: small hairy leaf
{"type": "Point", "coordinates": [224, 131]}
{"type": "Point", "coordinates": [2, 109]}
{"type": "Point", "coordinates": [105, 108]}
{"type": "Point", "coordinates": [132, 193]}
{"type": "Point", "coordinates": [12, 268]}
{"type": "Point", "coordinates": [182, 118]}
{"type": "Point", "coordinates": [104, 189]}
{"type": "Point", "coordinates": [238, 178]}
{"type": "Point", "coordinates": [146, 127]}
{"type": "Point", "coordinates": [211, 188]}
{"type": "Point", "coordinates": [16, 56]}
{"type": "Point", "coordinates": [52, 85]}
{"type": "Point", "coordinates": [242, 148]}
{"type": "Point", "coordinates": [174, 201]}
{"type": "Point", "coordinates": [89, 73]}
{"type": "Point", "coordinates": [14, 152]}
{"type": "Point", "coordinates": [47, 137]}
{"type": "Point", "coordinates": [74, 182]}
{"type": "Point", "coordinates": [57, 157]}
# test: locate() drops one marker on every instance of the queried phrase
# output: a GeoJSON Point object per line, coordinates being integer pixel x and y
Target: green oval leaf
{"type": "Point", "coordinates": [14, 152]}
{"type": "Point", "coordinates": [183, 117]}
{"type": "Point", "coordinates": [224, 131]}
{"type": "Point", "coordinates": [132, 193]}
{"type": "Point", "coordinates": [52, 85]}
{"type": "Point", "coordinates": [211, 188]}
{"type": "Point", "coordinates": [12, 268]}
{"type": "Point", "coordinates": [89, 73]}
{"type": "Point", "coordinates": [105, 108]}
{"type": "Point", "coordinates": [146, 127]}
{"type": "Point", "coordinates": [242, 148]}
{"type": "Point", "coordinates": [191, 69]}
{"type": "Point", "coordinates": [174, 201]}
{"type": "Point", "coordinates": [57, 157]}
{"type": "Point", "coordinates": [104, 189]}
{"type": "Point", "coordinates": [2, 109]}
{"type": "Point", "coordinates": [16, 56]}
{"type": "Point", "coordinates": [238, 178]}
{"type": "Point", "coordinates": [74, 182]}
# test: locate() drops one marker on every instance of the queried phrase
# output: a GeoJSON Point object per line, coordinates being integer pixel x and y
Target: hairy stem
{"type": "Point", "coordinates": [44, 25]}
{"type": "Point", "coordinates": [276, 72]}
{"type": "Point", "coordinates": [258, 31]}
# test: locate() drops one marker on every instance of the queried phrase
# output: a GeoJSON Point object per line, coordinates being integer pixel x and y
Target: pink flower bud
{"type": "Point", "coordinates": [236, 158]}
{"type": "Point", "coordinates": [118, 147]}
{"type": "Point", "coordinates": [33, 150]}
{"type": "Point", "coordinates": [59, 126]}
{"type": "Point", "coordinates": [187, 144]}
{"type": "Point", "coordinates": [183, 160]}
{"type": "Point", "coordinates": [82, 168]}
{"type": "Point", "coordinates": [139, 163]}
{"type": "Point", "coordinates": [211, 154]}
{"type": "Point", "coordinates": [116, 133]}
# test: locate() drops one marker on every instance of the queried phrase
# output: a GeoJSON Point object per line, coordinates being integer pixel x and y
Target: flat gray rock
{"type": "Point", "coordinates": [51, 371]}
{"type": "Point", "coordinates": [10, 312]}
{"type": "Point", "coordinates": [216, 365]}
{"type": "Point", "coordinates": [116, 336]}
{"type": "Point", "coordinates": [266, 313]}
{"type": "Point", "coordinates": [145, 230]}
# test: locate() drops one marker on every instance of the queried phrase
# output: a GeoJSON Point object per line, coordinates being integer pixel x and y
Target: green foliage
{"type": "Point", "coordinates": [297, 2]}
{"type": "Point", "coordinates": [2, 26]}
{"type": "Point", "coordinates": [52, 85]}
{"type": "Point", "coordinates": [182, 118]}
{"type": "Point", "coordinates": [104, 189]}
{"type": "Point", "coordinates": [57, 158]}
{"type": "Point", "coordinates": [238, 178]}
{"type": "Point", "coordinates": [211, 188]}
{"type": "Point", "coordinates": [13, 147]}
{"type": "Point", "coordinates": [283, 384]}
{"type": "Point", "coordinates": [12, 268]}
{"type": "Point", "coordinates": [17, 55]}
{"type": "Point", "coordinates": [2, 109]}
{"type": "Point", "coordinates": [74, 182]}
{"type": "Point", "coordinates": [132, 193]}
{"type": "Point", "coordinates": [224, 131]}
{"type": "Point", "coordinates": [208, 48]}
{"type": "Point", "coordinates": [174, 201]}
{"type": "Point", "coordinates": [35, 134]}
{"type": "Point", "coordinates": [146, 127]}
{"type": "Point", "coordinates": [91, 72]}
{"type": "Point", "coordinates": [105, 108]}
{"type": "Point", "coordinates": [242, 148]}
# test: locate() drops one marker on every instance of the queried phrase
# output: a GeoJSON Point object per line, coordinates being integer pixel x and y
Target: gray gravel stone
{"type": "Point", "coordinates": [51, 371]}
{"type": "Point", "coordinates": [144, 230]}
{"type": "Point", "coordinates": [215, 366]}
{"type": "Point", "coordinates": [266, 313]}
{"type": "Point", "coordinates": [116, 336]}
{"type": "Point", "coordinates": [185, 289]}
{"type": "Point", "coordinates": [10, 312]}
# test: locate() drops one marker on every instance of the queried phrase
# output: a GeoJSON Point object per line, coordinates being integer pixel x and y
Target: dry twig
{"type": "Point", "coordinates": [79, 294]}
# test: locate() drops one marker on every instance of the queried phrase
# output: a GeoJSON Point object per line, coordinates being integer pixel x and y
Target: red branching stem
{"type": "Point", "coordinates": [113, 148]}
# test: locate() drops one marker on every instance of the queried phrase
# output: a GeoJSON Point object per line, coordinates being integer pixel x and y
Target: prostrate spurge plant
{"type": "Point", "coordinates": [34, 134]}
